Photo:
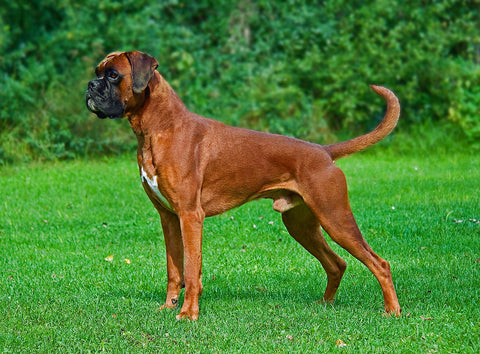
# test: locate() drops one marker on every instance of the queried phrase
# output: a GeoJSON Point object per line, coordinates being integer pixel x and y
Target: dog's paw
{"type": "Point", "coordinates": [187, 316]}
{"type": "Point", "coordinates": [169, 304]}
{"type": "Point", "coordinates": [188, 312]}
{"type": "Point", "coordinates": [393, 313]}
{"type": "Point", "coordinates": [325, 302]}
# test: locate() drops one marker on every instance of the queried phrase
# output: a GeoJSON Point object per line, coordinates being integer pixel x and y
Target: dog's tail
{"type": "Point", "coordinates": [389, 122]}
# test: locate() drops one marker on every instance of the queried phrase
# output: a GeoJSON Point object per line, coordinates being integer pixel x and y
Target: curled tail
{"type": "Point", "coordinates": [389, 122]}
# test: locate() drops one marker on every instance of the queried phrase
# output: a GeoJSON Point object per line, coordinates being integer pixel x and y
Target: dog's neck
{"type": "Point", "coordinates": [160, 102]}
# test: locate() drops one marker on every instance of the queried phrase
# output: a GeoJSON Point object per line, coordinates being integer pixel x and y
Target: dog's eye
{"type": "Point", "coordinates": [114, 75]}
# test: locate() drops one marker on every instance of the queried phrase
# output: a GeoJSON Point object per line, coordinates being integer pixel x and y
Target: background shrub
{"type": "Point", "coordinates": [294, 67]}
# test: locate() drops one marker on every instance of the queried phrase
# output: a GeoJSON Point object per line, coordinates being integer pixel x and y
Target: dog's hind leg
{"type": "Point", "coordinates": [330, 205]}
{"type": "Point", "coordinates": [305, 228]}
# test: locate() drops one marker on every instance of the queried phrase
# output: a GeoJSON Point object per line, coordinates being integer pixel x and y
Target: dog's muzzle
{"type": "Point", "coordinates": [99, 100]}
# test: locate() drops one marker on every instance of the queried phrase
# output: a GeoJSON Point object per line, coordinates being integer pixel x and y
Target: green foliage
{"type": "Point", "coordinates": [59, 222]}
{"type": "Point", "coordinates": [295, 67]}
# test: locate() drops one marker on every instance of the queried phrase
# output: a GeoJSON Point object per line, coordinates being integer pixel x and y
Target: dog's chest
{"type": "Point", "coordinates": [153, 185]}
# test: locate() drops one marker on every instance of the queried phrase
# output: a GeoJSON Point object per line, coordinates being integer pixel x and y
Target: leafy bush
{"type": "Point", "coordinates": [296, 67]}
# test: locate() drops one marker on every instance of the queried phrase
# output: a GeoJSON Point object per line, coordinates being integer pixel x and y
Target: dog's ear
{"type": "Point", "coordinates": [143, 67]}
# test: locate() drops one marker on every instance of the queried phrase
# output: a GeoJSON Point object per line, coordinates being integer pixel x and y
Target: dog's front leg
{"type": "Point", "coordinates": [191, 224]}
{"type": "Point", "coordinates": [174, 248]}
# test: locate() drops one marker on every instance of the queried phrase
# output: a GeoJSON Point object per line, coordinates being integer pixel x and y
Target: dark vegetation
{"type": "Point", "coordinates": [300, 68]}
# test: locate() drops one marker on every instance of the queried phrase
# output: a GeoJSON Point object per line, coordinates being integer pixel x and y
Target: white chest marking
{"type": "Point", "coordinates": [153, 184]}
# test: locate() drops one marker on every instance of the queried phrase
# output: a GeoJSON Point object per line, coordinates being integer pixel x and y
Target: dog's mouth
{"type": "Point", "coordinates": [93, 108]}
{"type": "Point", "coordinates": [91, 104]}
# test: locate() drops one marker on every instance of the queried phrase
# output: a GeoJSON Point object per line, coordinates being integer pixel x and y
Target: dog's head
{"type": "Point", "coordinates": [119, 88]}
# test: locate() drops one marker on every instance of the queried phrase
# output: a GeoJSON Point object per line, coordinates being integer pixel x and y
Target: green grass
{"type": "Point", "coordinates": [59, 221]}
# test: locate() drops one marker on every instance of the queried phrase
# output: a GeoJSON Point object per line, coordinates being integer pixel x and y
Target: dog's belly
{"type": "Point", "coordinates": [153, 185]}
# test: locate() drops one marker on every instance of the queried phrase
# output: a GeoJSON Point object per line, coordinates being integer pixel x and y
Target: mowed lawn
{"type": "Point", "coordinates": [83, 266]}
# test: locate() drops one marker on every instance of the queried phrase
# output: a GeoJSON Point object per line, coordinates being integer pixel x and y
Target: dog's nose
{"type": "Point", "coordinates": [93, 84]}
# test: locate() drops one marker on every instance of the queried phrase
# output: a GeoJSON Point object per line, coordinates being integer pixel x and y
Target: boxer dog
{"type": "Point", "coordinates": [192, 167]}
